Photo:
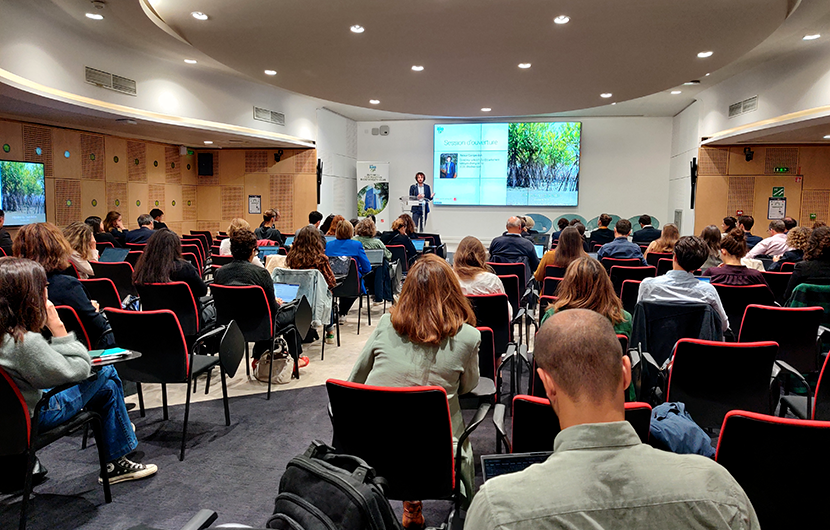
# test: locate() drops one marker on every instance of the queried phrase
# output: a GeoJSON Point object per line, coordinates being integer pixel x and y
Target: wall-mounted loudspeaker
{"type": "Point", "coordinates": [205, 164]}
{"type": "Point", "coordinates": [693, 175]}
{"type": "Point", "coordinates": [384, 130]}
{"type": "Point", "coordinates": [182, 150]}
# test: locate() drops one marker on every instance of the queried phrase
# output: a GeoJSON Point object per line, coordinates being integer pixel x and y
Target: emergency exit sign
{"type": "Point", "coordinates": [782, 169]}
{"type": "Point", "coordinates": [778, 191]}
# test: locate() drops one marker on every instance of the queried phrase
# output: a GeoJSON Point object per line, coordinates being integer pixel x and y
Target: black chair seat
{"type": "Point", "coordinates": [203, 363]}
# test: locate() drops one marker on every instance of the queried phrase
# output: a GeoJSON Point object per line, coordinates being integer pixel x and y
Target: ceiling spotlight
{"type": "Point", "coordinates": [827, 136]}
{"type": "Point", "coordinates": [374, 101]}
{"type": "Point", "coordinates": [524, 66]}
{"type": "Point", "coordinates": [270, 72]}
{"type": "Point", "coordinates": [606, 95]}
{"type": "Point", "coordinates": [198, 15]}
{"type": "Point", "coordinates": [692, 82]}
{"type": "Point", "coordinates": [707, 75]}
{"type": "Point", "coordinates": [486, 109]}
{"type": "Point", "coordinates": [562, 19]}
{"type": "Point", "coordinates": [675, 92]}
{"type": "Point", "coordinates": [190, 61]}
{"type": "Point", "coordinates": [614, 103]}
{"type": "Point", "coordinates": [417, 68]}
{"type": "Point", "coordinates": [704, 55]}
{"type": "Point", "coordinates": [811, 37]}
{"type": "Point", "coordinates": [95, 16]}
{"type": "Point", "coordinates": [357, 29]}
{"type": "Point", "coordinates": [208, 142]}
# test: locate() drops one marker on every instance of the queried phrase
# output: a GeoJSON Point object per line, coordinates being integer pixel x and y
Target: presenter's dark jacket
{"type": "Point", "coordinates": [271, 234]}
{"type": "Point", "coordinates": [67, 290]}
{"type": "Point", "coordinates": [5, 241]}
{"type": "Point", "coordinates": [513, 248]}
{"type": "Point", "coordinates": [140, 235]}
{"type": "Point", "coordinates": [413, 191]}
{"type": "Point", "coordinates": [646, 235]}
{"type": "Point", "coordinates": [101, 237]}
{"type": "Point", "coordinates": [601, 236]}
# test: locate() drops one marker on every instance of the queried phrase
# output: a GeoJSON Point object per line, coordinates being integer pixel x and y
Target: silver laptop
{"type": "Point", "coordinates": [375, 257]}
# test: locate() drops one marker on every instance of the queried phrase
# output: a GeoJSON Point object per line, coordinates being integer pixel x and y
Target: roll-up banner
{"type": "Point", "coordinates": [373, 192]}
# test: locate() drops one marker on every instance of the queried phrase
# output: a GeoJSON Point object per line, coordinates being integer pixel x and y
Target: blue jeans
{"type": "Point", "coordinates": [103, 395]}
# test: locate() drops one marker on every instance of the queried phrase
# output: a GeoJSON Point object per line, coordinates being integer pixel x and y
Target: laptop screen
{"type": "Point", "coordinates": [286, 291]}
{"type": "Point", "coordinates": [375, 257]}
{"type": "Point", "coordinates": [540, 250]}
{"type": "Point", "coordinates": [289, 240]}
{"type": "Point", "coordinates": [419, 244]}
{"type": "Point", "coordinates": [264, 252]}
{"type": "Point", "coordinates": [495, 465]}
{"type": "Point", "coordinates": [113, 255]}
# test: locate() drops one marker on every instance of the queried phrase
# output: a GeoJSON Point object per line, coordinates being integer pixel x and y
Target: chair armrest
{"type": "Point", "coordinates": [203, 519]}
{"type": "Point", "coordinates": [823, 333]}
{"type": "Point", "coordinates": [795, 373]}
{"type": "Point", "coordinates": [482, 411]}
{"type": "Point", "coordinates": [485, 388]}
{"type": "Point", "coordinates": [200, 340]}
{"type": "Point", "coordinates": [498, 420]}
{"type": "Point", "coordinates": [523, 353]}
{"type": "Point", "coordinates": [511, 351]}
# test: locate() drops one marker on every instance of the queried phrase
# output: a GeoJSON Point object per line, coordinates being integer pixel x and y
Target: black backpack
{"type": "Point", "coordinates": [322, 490]}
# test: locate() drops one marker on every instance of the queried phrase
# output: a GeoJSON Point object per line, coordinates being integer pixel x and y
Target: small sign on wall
{"type": "Point", "coordinates": [778, 191]}
{"type": "Point", "coordinates": [777, 208]}
{"type": "Point", "coordinates": [254, 204]}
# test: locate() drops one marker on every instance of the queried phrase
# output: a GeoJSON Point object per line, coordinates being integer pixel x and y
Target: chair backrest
{"type": "Point", "coordinates": [487, 353]}
{"type": "Point", "coordinates": [550, 284]}
{"type": "Point", "coordinates": [654, 257]}
{"type": "Point", "coordinates": [193, 259]}
{"type": "Point", "coordinates": [103, 291]}
{"type": "Point", "coordinates": [544, 303]}
{"type": "Point", "coordinates": [136, 246]}
{"type": "Point", "coordinates": [777, 282]}
{"type": "Point", "coordinates": [596, 247]}
{"type": "Point", "coordinates": [72, 322]}
{"type": "Point", "coordinates": [350, 286]}
{"type": "Point", "coordinates": [712, 378]}
{"type": "Point", "coordinates": [787, 266]}
{"type": "Point", "coordinates": [231, 348]}
{"type": "Point", "coordinates": [248, 305]}
{"type": "Point", "coordinates": [658, 326]}
{"type": "Point", "coordinates": [506, 269]}
{"type": "Point", "coordinates": [175, 296]}
{"type": "Point", "coordinates": [193, 249]}
{"type": "Point", "coordinates": [491, 312]}
{"type": "Point", "coordinates": [133, 256]}
{"type": "Point", "coordinates": [71, 270]}
{"type": "Point", "coordinates": [14, 417]}
{"type": "Point", "coordinates": [763, 453]}
{"type": "Point", "coordinates": [399, 254]}
{"type": "Point", "coordinates": [206, 233]}
{"type": "Point", "coordinates": [794, 329]}
{"type": "Point", "coordinates": [735, 298]}
{"type": "Point", "coordinates": [622, 262]}
{"type": "Point", "coordinates": [621, 273]}
{"type": "Point", "coordinates": [552, 271]}
{"type": "Point", "coordinates": [664, 265]}
{"type": "Point", "coordinates": [535, 424]}
{"type": "Point", "coordinates": [512, 290]}
{"type": "Point", "coordinates": [221, 260]}
{"type": "Point", "coordinates": [158, 336]}
{"type": "Point", "coordinates": [197, 242]}
{"type": "Point", "coordinates": [628, 294]}
{"type": "Point", "coordinates": [121, 274]}
{"type": "Point", "coordinates": [360, 420]}
{"type": "Point", "coordinates": [102, 246]}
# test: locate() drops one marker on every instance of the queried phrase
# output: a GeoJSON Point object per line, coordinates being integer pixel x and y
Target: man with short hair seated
{"type": "Point", "coordinates": [680, 285]}
{"type": "Point", "coordinates": [747, 222]}
{"type": "Point", "coordinates": [600, 475]}
{"type": "Point", "coordinates": [144, 231]}
{"type": "Point", "coordinates": [602, 234]}
{"type": "Point", "coordinates": [621, 247]}
{"type": "Point", "coordinates": [647, 233]}
{"type": "Point", "coordinates": [511, 247]}
{"type": "Point", "coordinates": [774, 245]}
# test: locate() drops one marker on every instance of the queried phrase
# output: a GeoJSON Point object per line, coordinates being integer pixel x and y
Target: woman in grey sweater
{"type": "Point", "coordinates": [37, 364]}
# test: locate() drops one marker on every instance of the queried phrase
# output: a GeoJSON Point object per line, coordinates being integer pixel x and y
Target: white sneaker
{"type": "Point", "coordinates": [123, 470]}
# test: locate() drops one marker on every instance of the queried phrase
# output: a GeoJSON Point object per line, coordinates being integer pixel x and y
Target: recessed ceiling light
{"type": "Point", "coordinates": [96, 16]}
{"type": "Point", "coordinates": [208, 142]}
{"type": "Point", "coordinates": [417, 68]}
{"type": "Point", "coordinates": [806, 37]}
{"type": "Point", "coordinates": [692, 82]}
{"type": "Point", "coordinates": [190, 61]}
{"type": "Point", "coordinates": [486, 109]}
{"type": "Point", "coordinates": [614, 103]}
{"type": "Point", "coordinates": [675, 92]}
{"type": "Point", "coordinates": [606, 95]}
{"type": "Point", "coordinates": [374, 101]}
{"type": "Point", "coordinates": [198, 15]}
{"type": "Point", "coordinates": [827, 136]}
{"type": "Point", "coordinates": [562, 19]}
{"type": "Point", "coordinates": [270, 72]}
{"type": "Point", "coordinates": [357, 29]}
{"type": "Point", "coordinates": [704, 55]}
{"type": "Point", "coordinates": [524, 65]}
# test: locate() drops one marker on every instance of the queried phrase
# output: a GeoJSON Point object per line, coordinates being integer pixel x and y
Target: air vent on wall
{"type": "Point", "coordinates": [271, 116]}
{"type": "Point", "coordinates": [742, 107]}
{"type": "Point", "coordinates": [110, 81]}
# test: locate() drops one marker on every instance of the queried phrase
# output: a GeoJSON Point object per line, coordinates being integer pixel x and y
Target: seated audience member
{"type": "Point", "coordinates": [647, 233]}
{"type": "Point", "coordinates": [37, 364]}
{"type": "Point", "coordinates": [602, 234]}
{"type": "Point", "coordinates": [621, 247]}
{"type": "Point", "coordinates": [732, 272]}
{"type": "Point", "coordinates": [511, 247]}
{"type": "Point", "coordinates": [409, 224]}
{"type": "Point", "coordinates": [45, 244]}
{"type": "Point", "coordinates": [815, 268]}
{"type": "Point", "coordinates": [398, 237]}
{"type": "Point", "coordinates": [711, 236]}
{"type": "Point", "coordinates": [307, 252]}
{"type": "Point", "coordinates": [5, 238]}
{"type": "Point", "coordinates": [562, 224]}
{"type": "Point", "coordinates": [327, 224]}
{"type": "Point", "coordinates": [570, 248]}
{"type": "Point", "coordinates": [818, 224]}
{"type": "Point", "coordinates": [667, 240]}
{"type": "Point", "coordinates": [745, 223]}
{"type": "Point", "coordinates": [158, 219]}
{"type": "Point", "coordinates": [586, 285]}
{"type": "Point", "coordinates": [365, 233]}
{"type": "Point", "coordinates": [527, 226]}
{"type": "Point", "coordinates": [225, 245]}
{"type": "Point", "coordinates": [679, 285]}
{"type": "Point", "coordinates": [79, 236]}
{"type": "Point", "coordinates": [412, 346]}
{"type": "Point", "coordinates": [97, 226]}
{"type": "Point", "coordinates": [774, 245]}
{"type": "Point", "coordinates": [789, 224]}
{"type": "Point", "coordinates": [581, 229]}
{"type": "Point", "coordinates": [114, 225]}
{"type": "Point", "coordinates": [143, 233]}
{"type": "Point", "coordinates": [267, 228]}
{"type": "Point", "coordinates": [344, 245]}
{"type": "Point", "coordinates": [354, 221]}
{"type": "Point", "coordinates": [729, 224]}
{"type": "Point", "coordinates": [600, 475]}
{"type": "Point", "coordinates": [798, 239]}
{"type": "Point", "coordinates": [314, 220]}
{"type": "Point", "coordinates": [335, 222]}
{"type": "Point", "coordinates": [474, 275]}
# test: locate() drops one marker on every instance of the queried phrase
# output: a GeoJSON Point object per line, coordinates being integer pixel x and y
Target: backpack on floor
{"type": "Point", "coordinates": [322, 490]}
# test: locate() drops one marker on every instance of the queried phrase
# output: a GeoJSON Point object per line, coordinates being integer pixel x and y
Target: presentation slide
{"type": "Point", "coordinates": [22, 192]}
{"type": "Point", "coordinates": [507, 164]}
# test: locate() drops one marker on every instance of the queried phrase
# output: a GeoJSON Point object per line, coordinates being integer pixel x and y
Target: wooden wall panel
{"type": "Point", "coordinates": [136, 161]}
{"type": "Point", "coordinates": [232, 168]}
{"type": "Point", "coordinates": [115, 161]}
{"type": "Point", "coordinates": [711, 201]}
{"type": "Point", "coordinates": [208, 203]}
{"type": "Point", "coordinates": [189, 210]}
{"type": "Point", "coordinates": [814, 165]}
{"type": "Point", "coordinates": [173, 204]}
{"type": "Point", "coordinates": [739, 166]}
{"type": "Point", "coordinates": [190, 171]}
{"type": "Point", "coordinates": [282, 197]}
{"type": "Point", "coordinates": [93, 198]}
{"type": "Point", "coordinates": [713, 161]}
{"type": "Point", "coordinates": [815, 202]}
{"type": "Point", "coordinates": [781, 157]}
{"type": "Point", "coordinates": [257, 184]}
{"type": "Point", "coordinates": [67, 201]}
{"type": "Point", "coordinates": [763, 192]}
{"type": "Point", "coordinates": [117, 196]}
{"type": "Point", "coordinates": [233, 202]}
{"type": "Point", "coordinates": [34, 138]}
{"type": "Point", "coordinates": [741, 195]}
{"type": "Point", "coordinates": [172, 165]}
{"type": "Point", "coordinates": [305, 198]}
{"type": "Point", "coordinates": [92, 157]}
{"type": "Point", "coordinates": [156, 174]}
{"type": "Point", "coordinates": [65, 141]}
{"type": "Point", "coordinates": [138, 203]}
{"type": "Point", "coordinates": [155, 197]}
{"type": "Point", "coordinates": [11, 134]}
{"type": "Point", "coordinates": [256, 162]}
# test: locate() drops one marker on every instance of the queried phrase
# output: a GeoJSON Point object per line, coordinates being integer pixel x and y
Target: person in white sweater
{"type": "Point", "coordinates": [36, 364]}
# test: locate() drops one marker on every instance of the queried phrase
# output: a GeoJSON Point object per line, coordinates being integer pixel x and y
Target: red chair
{"type": "Point", "coordinates": [620, 274]}
{"type": "Point", "coordinates": [596, 247]}
{"type": "Point", "coordinates": [101, 246]}
{"type": "Point", "coordinates": [513, 292]}
{"type": "Point", "coordinates": [550, 285]}
{"type": "Point", "coordinates": [103, 291]}
{"type": "Point", "coordinates": [815, 407]}
{"type": "Point", "coordinates": [73, 323]}
{"type": "Point", "coordinates": [208, 237]}
{"type": "Point", "coordinates": [787, 266]}
{"type": "Point", "coordinates": [777, 282]}
{"type": "Point", "coordinates": [133, 256]}
{"type": "Point", "coordinates": [121, 274]}
{"type": "Point", "coordinates": [399, 254]}
{"type": "Point", "coordinates": [491, 312]}
{"type": "Point", "coordinates": [136, 246]}
{"type": "Point", "coordinates": [544, 303]}
{"type": "Point", "coordinates": [736, 298]}
{"type": "Point", "coordinates": [628, 294]}
{"type": "Point", "coordinates": [664, 265]}
{"type": "Point", "coordinates": [795, 329]}
{"type": "Point", "coordinates": [350, 287]}
{"type": "Point", "coordinates": [552, 271]}
{"type": "Point", "coordinates": [654, 257]}
{"type": "Point", "coordinates": [622, 262]}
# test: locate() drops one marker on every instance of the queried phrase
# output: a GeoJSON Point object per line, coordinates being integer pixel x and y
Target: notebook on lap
{"type": "Point", "coordinates": [495, 465]}
{"type": "Point", "coordinates": [113, 255]}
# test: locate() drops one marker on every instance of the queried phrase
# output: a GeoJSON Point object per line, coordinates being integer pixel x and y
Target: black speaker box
{"type": "Point", "coordinates": [205, 164]}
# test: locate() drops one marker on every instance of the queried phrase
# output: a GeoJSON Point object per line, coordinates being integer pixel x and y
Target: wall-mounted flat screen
{"type": "Point", "coordinates": [507, 164]}
{"type": "Point", "coordinates": [22, 192]}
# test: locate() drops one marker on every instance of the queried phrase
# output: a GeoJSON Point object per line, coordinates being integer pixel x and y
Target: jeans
{"type": "Point", "coordinates": [103, 395]}
{"type": "Point", "coordinates": [419, 216]}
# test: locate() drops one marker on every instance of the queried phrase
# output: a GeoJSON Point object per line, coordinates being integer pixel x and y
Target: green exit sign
{"type": "Point", "coordinates": [782, 170]}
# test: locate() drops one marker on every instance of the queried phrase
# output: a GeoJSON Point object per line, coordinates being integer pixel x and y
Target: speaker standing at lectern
{"type": "Point", "coordinates": [424, 195]}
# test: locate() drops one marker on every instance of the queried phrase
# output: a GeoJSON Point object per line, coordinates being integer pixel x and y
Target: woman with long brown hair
{"type": "Point", "coordinates": [82, 241]}
{"type": "Point", "coordinates": [474, 275]}
{"type": "Point", "coordinates": [586, 285]}
{"type": "Point", "coordinates": [712, 237]}
{"type": "Point", "coordinates": [409, 224]}
{"type": "Point", "coordinates": [114, 225]}
{"type": "Point", "coordinates": [667, 240]}
{"type": "Point", "coordinates": [570, 247]}
{"type": "Point", "coordinates": [308, 253]}
{"type": "Point", "coordinates": [335, 222]}
{"type": "Point", "coordinates": [428, 339]}
{"type": "Point", "coordinates": [731, 271]}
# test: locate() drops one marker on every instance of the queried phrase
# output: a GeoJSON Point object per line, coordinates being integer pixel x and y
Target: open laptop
{"type": "Point", "coordinates": [286, 291]}
{"type": "Point", "coordinates": [113, 255]}
{"type": "Point", "coordinates": [375, 257]}
{"type": "Point", "coordinates": [289, 241]}
{"type": "Point", "coordinates": [540, 250]}
{"type": "Point", "coordinates": [419, 244]}
{"type": "Point", "coordinates": [495, 465]}
{"type": "Point", "coordinates": [264, 252]}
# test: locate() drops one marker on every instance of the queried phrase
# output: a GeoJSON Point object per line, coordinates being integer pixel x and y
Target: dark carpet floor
{"type": "Point", "coordinates": [233, 470]}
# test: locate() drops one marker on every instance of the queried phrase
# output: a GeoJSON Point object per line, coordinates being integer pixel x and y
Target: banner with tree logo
{"type": "Point", "coordinates": [373, 192]}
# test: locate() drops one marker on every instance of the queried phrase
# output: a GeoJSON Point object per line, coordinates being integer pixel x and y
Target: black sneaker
{"type": "Point", "coordinates": [123, 470]}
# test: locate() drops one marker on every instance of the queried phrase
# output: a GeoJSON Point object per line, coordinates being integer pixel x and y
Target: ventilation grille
{"type": "Point", "coordinates": [232, 203]}
{"type": "Point", "coordinates": [781, 157]}
{"type": "Point", "coordinates": [817, 202]}
{"type": "Point", "coordinates": [282, 195]}
{"type": "Point", "coordinates": [741, 195]}
{"type": "Point", "coordinates": [742, 107]}
{"type": "Point", "coordinates": [270, 116]}
{"type": "Point", "coordinates": [92, 157]}
{"type": "Point", "coordinates": [713, 162]}
{"type": "Point", "coordinates": [110, 81]}
{"type": "Point", "coordinates": [256, 161]}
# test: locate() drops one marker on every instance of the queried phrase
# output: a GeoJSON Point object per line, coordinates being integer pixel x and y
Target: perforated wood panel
{"type": "Point", "coordinates": [213, 226]}
{"type": "Point", "coordinates": [282, 196]}
{"type": "Point", "coordinates": [172, 166]}
{"type": "Point", "coordinates": [256, 161]}
{"type": "Point", "coordinates": [306, 161]}
{"type": "Point", "coordinates": [817, 202]}
{"type": "Point", "coordinates": [34, 137]}
{"type": "Point", "coordinates": [233, 204]}
{"type": "Point", "coordinates": [92, 157]}
{"type": "Point", "coordinates": [137, 161]}
{"type": "Point", "coordinates": [67, 201]}
{"type": "Point", "coordinates": [175, 226]}
{"type": "Point", "coordinates": [189, 203]}
{"type": "Point", "coordinates": [117, 196]}
{"type": "Point", "coordinates": [155, 196]}
{"type": "Point", "coordinates": [713, 162]}
{"type": "Point", "coordinates": [741, 195]}
{"type": "Point", "coordinates": [781, 157]}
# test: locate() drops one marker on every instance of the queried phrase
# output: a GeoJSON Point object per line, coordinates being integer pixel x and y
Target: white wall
{"type": "Point", "coordinates": [625, 171]}
{"type": "Point", "coordinates": [684, 146]}
{"type": "Point", "coordinates": [337, 148]}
